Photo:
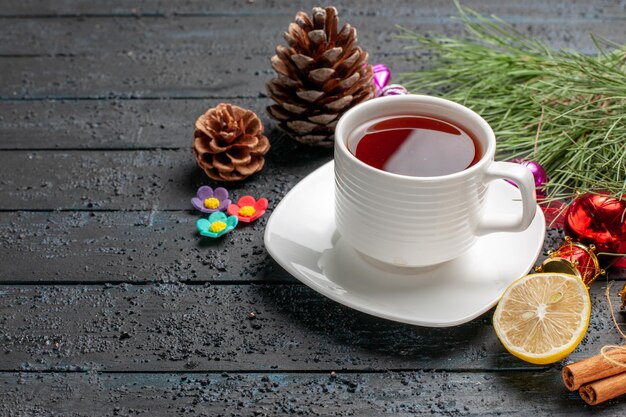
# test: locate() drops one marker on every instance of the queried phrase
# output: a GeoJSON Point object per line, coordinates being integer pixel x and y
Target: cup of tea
{"type": "Point", "coordinates": [411, 174]}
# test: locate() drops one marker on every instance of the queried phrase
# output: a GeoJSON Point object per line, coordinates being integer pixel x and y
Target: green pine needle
{"type": "Point", "coordinates": [564, 109]}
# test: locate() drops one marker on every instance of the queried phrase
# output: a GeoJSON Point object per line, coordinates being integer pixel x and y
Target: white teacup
{"type": "Point", "coordinates": [420, 221]}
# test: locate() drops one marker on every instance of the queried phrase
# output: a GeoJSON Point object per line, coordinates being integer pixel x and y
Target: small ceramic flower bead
{"type": "Point", "coordinates": [216, 225]}
{"type": "Point", "coordinates": [208, 200]}
{"type": "Point", "coordinates": [248, 209]}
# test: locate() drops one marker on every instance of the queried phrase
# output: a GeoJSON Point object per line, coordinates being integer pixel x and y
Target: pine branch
{"type": "Point", "coordinates": [564, 109]}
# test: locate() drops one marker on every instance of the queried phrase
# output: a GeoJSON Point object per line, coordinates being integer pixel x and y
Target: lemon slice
{"type": "Point", "coordinates": [541, 318]}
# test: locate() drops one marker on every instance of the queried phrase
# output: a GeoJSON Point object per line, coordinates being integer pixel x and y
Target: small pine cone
{"type": "Point", "coordinates": [321, 74]}
{"type": "Point", "coordinates": [229, 143]}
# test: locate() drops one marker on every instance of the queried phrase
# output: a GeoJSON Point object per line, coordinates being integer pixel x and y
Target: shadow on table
{"type": "Point", "coordinates": [353, 338]}
{"type": "Point", "coordinates": [286, 163]}
{"type": "Point", "coordinates": [286, 150]}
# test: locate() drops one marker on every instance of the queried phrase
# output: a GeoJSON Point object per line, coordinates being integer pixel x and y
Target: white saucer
{"type": "Point", "coordinates": [301, 236]}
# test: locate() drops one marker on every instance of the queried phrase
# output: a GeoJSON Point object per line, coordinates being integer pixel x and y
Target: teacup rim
{"type": "Point", "coordinates": [487, 156]}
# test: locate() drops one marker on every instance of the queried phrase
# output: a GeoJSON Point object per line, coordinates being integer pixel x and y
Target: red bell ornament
{"type": "Point", "coordinates": [600, 220]}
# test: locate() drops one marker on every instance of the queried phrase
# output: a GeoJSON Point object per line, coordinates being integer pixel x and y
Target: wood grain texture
{"type": "Point", "coordinates": [129, 247]}
{"type": "Point", "coordinates": [415, 8]}
{"type": "Point", "coordinates": [110, 304]}
{"type": "Point", "coordinates": [141, 247]}
{"type": "Point", "coordinates": [137, 180]}
{"type": "Point", "coordinates": [214, 36]}
{"type": "Point", "coordinates": [108, 124]}
{"type": "Point", "coordinates": [193, 57]}
{"type": "Point", "coordinates": [362, 394]}
{"type": "Point", "coordinates": [173, 327]}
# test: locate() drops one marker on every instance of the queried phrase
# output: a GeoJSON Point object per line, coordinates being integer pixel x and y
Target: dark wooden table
{"type": "Point", "coordinates": [110, 304]}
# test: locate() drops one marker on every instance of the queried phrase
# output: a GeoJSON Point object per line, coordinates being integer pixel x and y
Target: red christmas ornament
{"type": "Point", "coordinates": [574, 258]}
{"type": "Point", "coordinates": [600, 220]}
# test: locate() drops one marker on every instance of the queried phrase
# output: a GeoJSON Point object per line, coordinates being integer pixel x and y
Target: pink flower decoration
{"type": "Point", "coordinates": [248, 209]}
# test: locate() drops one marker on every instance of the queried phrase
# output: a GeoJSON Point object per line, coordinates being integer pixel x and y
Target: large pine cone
{"type": "Point", "coordinates": [321, 74]}
{"type": "Point", "coordinates": [229, 143]}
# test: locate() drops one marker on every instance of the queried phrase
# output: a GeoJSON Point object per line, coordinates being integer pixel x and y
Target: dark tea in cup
{"type": "Point", "coordinates": [414, 145]}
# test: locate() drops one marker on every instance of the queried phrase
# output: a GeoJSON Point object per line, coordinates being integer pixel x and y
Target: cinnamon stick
{"type": "Point", "coordinates": [605, 389]}
{"type": "Point", "coordinates": [591, 369]}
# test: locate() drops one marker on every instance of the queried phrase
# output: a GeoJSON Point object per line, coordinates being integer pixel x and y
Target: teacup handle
{"type": "Point", "coordinates": [524, 179]}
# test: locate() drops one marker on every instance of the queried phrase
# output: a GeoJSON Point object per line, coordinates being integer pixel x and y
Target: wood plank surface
{"type": "Point", "coordinates": [361, 394]}
{"type": "Point", "coordinates": [415, 8]}
{"type": "Point", "coordinates": [213, 37]}
{"type": "Point", "coordinates": [109, 124]}
{"type": "Point", "coordinates": [111, 304]}
{"type": "Point", "coordinates": [128, 247]}
{"type": "Point", "coordinates": [173, 327]}
{"type": "Point", "coordinates": [177, 76]}
{"type": "Point", "coordinates": [161, 58]}
{"type": "Point", "coordinates": [141, 247]}
{"type": "Point", "coordinates": [137, 180]}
